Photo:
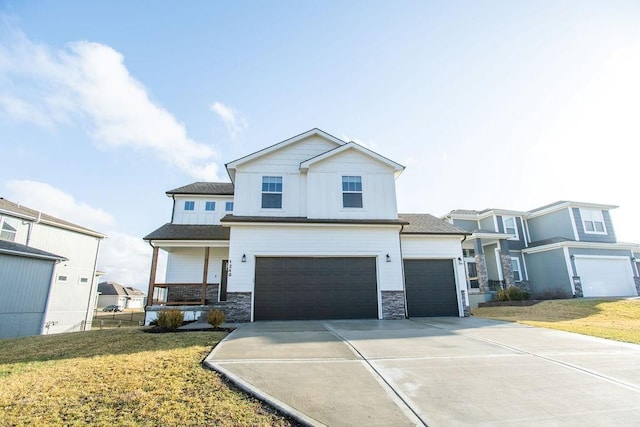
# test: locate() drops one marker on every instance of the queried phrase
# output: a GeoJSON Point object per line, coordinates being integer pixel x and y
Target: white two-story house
{"type": "Point", "coordinates": [308, 228]}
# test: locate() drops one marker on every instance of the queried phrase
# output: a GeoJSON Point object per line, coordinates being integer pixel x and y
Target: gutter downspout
{"type": "Point", "coordinates": [173, 210]}
{"type": "Point", "coordinates": [404, 283]}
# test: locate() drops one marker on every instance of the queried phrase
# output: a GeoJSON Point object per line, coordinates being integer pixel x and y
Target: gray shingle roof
{"type": "Point", "coordinates": [113, 288]}
{"type": "Point", "coordinates": [22, 211]}
{"type": "Point", "coordinates": [189, 232]}
{"type": "Point", "coordinates": [213, 188]}
{"type": "Point", "coordinates": [428, 224]}
{"type": "Point", "coordinates": [20, 249]}
{"type": "Point", "coordinates": [304, 220]}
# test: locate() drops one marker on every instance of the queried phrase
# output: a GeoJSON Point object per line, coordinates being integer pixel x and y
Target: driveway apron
{"type": "Point", "coordinates": [433, 371]}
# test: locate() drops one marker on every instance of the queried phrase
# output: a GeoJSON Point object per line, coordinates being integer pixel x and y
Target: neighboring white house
{"type": "Point", "coordinates": [124, 296]}
{"type": "Point", "coordinates": [307, 229]}
{"type": "Point", "coordinates": [70, 298]}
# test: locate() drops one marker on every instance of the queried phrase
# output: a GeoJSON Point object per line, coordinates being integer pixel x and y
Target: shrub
{"type": "Point", "coordinates": [215, 318]}
{"type": "Point", "coordinates": [170, 319]}
{"type": "Point", "coordinates": [556, 293]}
{"type": "Point", "coordinates": [512, 293]}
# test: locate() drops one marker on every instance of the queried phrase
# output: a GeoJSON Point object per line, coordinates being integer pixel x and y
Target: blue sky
{"type": "Point", "coordinates": [106, 105]}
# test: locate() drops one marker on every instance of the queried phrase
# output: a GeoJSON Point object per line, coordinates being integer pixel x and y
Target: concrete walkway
{"type": "Point", "coordinates": [433, 371]}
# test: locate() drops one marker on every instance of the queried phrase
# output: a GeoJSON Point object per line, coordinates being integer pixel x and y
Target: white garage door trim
{"type": "Point", "coordinates": [622, 272]}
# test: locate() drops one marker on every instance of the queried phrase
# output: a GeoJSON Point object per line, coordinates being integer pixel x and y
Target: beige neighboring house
{"type": "Point", "coordinates": [124, 296]}
{"type": "Point", "coordinates": [68, 301]}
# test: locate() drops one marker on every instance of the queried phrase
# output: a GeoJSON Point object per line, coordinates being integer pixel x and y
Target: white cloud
{"type": "Point", "coordinates": [126, 259]}
{"type": "Point", "coordinates": [89, 82]}
{"type": "Point", "coordinates": [55, 202]}
{"type": "Point", "coordinates": [233, 121]}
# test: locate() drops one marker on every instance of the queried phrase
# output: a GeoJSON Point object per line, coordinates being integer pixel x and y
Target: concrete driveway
{"type": "Point", "coordinates": [433, 371]}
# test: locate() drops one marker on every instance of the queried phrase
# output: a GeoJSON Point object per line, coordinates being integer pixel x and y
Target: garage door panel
{"type": "Point", "coordinates": [431, 288]}
{"type": "Point", "coordinates": [605, 277]}
{"type": "Point", "coordinates": [315, 288]}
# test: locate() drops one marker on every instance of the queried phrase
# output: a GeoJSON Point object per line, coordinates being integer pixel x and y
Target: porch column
{"type": "Point", "coordinates": [152, 276]}
{"type": "Point", "coordinates": [505, 262]}
{"type": "Point", "coordinates": [481, 267]}
{"type": "Point", "coordinates": [205, 273]}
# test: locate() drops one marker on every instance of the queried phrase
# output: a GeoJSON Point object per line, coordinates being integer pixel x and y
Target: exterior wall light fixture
{"type": "Point", "coordinates": [244, 258]}
{"type": "Point", "coordinates": [388, 258]}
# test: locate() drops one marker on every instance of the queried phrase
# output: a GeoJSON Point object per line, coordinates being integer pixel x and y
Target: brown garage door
{"type": "Point", "coordinates": [315, 288]}
{"type": "Point", "coordinates": [431, 287]}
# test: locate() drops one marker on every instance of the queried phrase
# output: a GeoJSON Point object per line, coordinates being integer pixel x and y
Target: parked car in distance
{"type": "Point", "coordinates": [112, 307]}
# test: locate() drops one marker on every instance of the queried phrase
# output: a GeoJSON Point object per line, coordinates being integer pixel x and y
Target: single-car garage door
{"type": "Point", "coordinates": [605, 277]}
{"type": "Point", "coordinates": [431, 287]}
{"type": "Point", "coordinates": [315, 288]}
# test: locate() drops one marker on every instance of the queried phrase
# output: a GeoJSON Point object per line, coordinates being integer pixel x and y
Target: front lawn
{"type": "Point", "coordinates": [606, 318]}
{"type": "Point", "coordinates": [120, 377]}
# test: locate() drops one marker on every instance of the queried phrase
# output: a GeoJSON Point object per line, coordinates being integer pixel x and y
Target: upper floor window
{"type": "Point", "coordinates": [272, 192]}
{"type": "Point", "coordinates": [352, 191]}
{"type": "Point", "coordinates": [210, 206]}
{"type": "Point", "coordinates": [593, 221]}
{"type": "Point", "coordinates": [8, 230]}
{"type": "Point", "coordinates": [509, 224]}
{"type": "Point", "coordinates": [228, 206]}
{"type": "Point", "coordinates": [189, 205]}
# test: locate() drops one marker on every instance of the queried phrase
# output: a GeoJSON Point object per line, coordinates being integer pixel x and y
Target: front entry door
{"type": "Point", "coordinates": [223, 280]}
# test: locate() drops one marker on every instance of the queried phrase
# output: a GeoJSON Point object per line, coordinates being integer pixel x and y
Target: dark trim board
{"type": "Point", "coordinates": [430, 287]}
{"type": "Point", "coordinates": [314, 288]}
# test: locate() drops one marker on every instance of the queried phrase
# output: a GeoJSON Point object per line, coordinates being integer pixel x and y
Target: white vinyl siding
{"type": "Point", "coordinates": [187, 265]}
{"type": "Point", "coordinates": [200, 214]}
{"type": "Point", "coordinates": [308, 241]}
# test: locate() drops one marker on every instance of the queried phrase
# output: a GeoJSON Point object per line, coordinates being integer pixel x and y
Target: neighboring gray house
{"type": "Point", "coordinates": [123, 296]}
{"type": "Point", "coordinates": [26, 277]}
{"type": "Point", "coordinates": [71, 293]}
{"type": "Point", "coordinates": [562, 248]}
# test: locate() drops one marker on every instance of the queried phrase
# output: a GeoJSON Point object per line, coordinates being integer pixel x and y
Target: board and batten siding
{"type": "Point", "coordinates": [72, 301]}
{"type": "Point", "coordinates": [186, 265]}
{"type": "Point", "coordinates": [199, 215]}
{"type": "Point", "coordinates": [248, 197]}
{"type": "Point", "coordinates": [24, 286]}
{"type": "Point", "coordinates": [313, 241]}
{"type": "Point", "coordinates": [324, 187]}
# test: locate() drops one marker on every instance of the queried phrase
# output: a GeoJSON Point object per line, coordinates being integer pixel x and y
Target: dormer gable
{"type": "Point", "coordinates": [361, 153]}
{"type": "Point", "coordinates": [324, 142]}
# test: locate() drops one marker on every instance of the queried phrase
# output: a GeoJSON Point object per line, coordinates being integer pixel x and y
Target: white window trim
{"type": "Point", "coordinates": [3, 221]}
{"type": "Point", "coordinates": [361, 192]}
{"type": "Point", "coordinates": [591, 219]}
{"type": "Point", "coordinates": [281, 193]}
{"type": "Point", "coordinates": [517, 260]}
{"type": "Point", "coordinates": [226, 206]}
{"type": "Point", "coordinates": [214, 205]}
{"type": "Point", "coordinates": [59, 278]}
{"type": "Point", "coordinates": [515, 227]}
{"type": "Point", "coordinates": [184, 206]}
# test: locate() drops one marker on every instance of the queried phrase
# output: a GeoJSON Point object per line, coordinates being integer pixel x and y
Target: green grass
{"type": "Point", "coordinates": [120, 377]}
{"type": "Point", "coordinates": [605, 318]}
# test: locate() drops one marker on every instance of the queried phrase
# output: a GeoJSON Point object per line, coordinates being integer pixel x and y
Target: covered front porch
{"type": "Point", "coordinates": [489, 265]}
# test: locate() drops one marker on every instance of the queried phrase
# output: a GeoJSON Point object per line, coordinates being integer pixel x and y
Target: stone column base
{"type": "Point", "coordinates": [393, 305]}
